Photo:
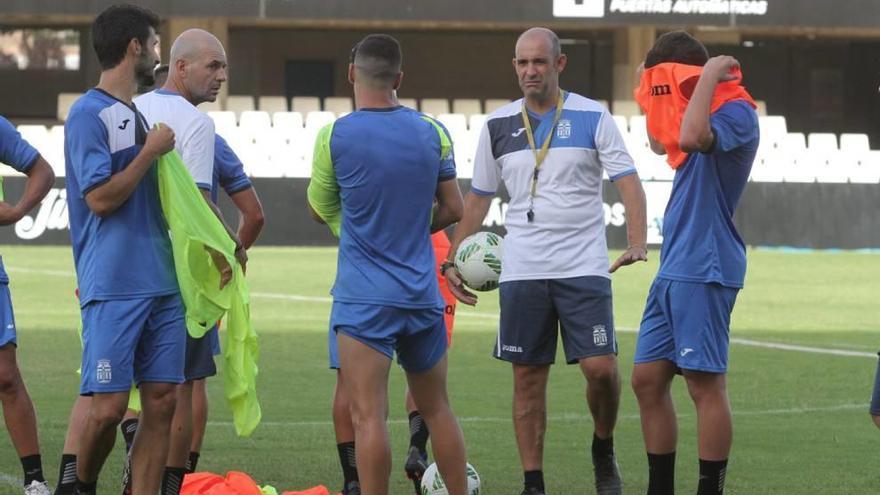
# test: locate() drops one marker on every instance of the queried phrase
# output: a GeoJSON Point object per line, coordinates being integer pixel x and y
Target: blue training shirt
{"type": "Point", "coordinates": [228, 170]}
{"type": "Point", "coordinates": [126, 254]}
{"type": "Point", "coordinates": [386, 164]}
{"type": "Point", "coordinates": [700, 241]}
{"type": "Point", "coordinates": [18, 154]}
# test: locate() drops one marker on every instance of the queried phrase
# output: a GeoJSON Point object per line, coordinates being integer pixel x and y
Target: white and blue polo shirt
{"type": "Point", "coordinates": [567, 237]}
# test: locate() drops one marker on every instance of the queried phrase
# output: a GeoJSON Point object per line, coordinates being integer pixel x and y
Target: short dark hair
{"type": "Point", "coordinates": [115, 27]}
{"type": "Point", "coordinates": [678, 47]}
{"type": "Point", "coordinates": [379, 56]}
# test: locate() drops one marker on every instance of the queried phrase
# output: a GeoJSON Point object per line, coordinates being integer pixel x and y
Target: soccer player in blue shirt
{"type": "Point", "coordinates": [18, 410]}
{"type": "Point", "coordinates": [133, 316]}
{"type": "Point", "coordinates": [685, 327]}
{"type": "Point", "coordinates": [382, 168]}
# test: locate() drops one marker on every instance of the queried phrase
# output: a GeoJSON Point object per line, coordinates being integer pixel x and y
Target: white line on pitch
{"type": "Point", "coordinates": [11, 481]}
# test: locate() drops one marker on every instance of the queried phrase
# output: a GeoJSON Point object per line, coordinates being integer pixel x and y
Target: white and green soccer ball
{"type": "Point", "coordinates": [478, 261]}
{"type": "Point", "coordinates": [432, 483]}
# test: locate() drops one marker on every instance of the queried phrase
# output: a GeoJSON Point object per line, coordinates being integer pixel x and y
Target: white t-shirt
{"type": "Point", "coordinates": [567, 237]}
{"type": "Point", "coordinates": [193, 131]}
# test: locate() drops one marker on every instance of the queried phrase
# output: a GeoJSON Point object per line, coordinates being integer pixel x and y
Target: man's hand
{"type": "Point", "coordinates": [160, 140]}
{"type": "Point", "coordinates": [456, 286]}
{"type": "Point", "coordinates": [719, 68]}
{"type": "Point", "coordinates": [242, 257]}
{"type": "Point", "coordinates": [222, 266]}
{"type": "Point", "coordinates": [9, 214]}
{"type": "Point", "coordinates": [632, 255]}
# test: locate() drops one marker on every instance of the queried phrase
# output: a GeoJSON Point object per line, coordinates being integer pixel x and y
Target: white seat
{"type": "Point", "coordinates": [434, 106]}
{"type": "Point", "coordinates": [287, 120]}
{"type": "Point", "coordinates": [467, 106]}
{"type": "Point", "coordinates": [239, 103]}
{"type": "Point", "coordinates": [255, 124]}
{"type": "Point", "coordinates": [409, 103]}
{"type": "Point", "coordinates": [338, 104]}
{"type": "Point", "coordinates": [620, 120]}
{"type": "Point", "coordinates": [272, 104]}
{"type": "Point", "coordinates": [305, 104]}
{"type": "Point", "coordinates": [773, 131]}
{"type": "Point", "coordinates": [63, 104]}
{"type": "Point", "coordinates": [210, 106]}
{"type": "Point", "coordinates": [857, 143]}
{"type": "Point", "coordinates": [627, 108]}
{"type": "Point", "coordinates": [223, 121]}
{"type": "Point", "coordinates": [317, 120]}
{"type": "Point", "coordinates": [867, 170]}
{"type": "Point", "coordinates": [492, 104]}
{"type": "Point", "coordinates": [55, 155]}
{"type": "Point", "coordinates": [822, 142]}
{"type": "Point", "coordinates": [476, 121]}
{"type": "Point", "coordinates": [455, 123]}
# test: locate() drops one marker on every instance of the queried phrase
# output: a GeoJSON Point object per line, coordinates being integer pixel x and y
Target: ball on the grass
{"type": "Point", "coordinates": [432, 483]}
{"type": "Point", "coordinates": [478, 261]}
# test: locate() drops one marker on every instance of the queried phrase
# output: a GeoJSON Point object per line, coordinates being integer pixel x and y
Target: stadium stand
{"type": "Point", "coordinates": [272, 104]}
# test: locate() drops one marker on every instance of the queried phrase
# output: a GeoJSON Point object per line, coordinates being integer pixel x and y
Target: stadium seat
{"type": "Point", "coordinates": [287, 120]}
{"type": "Point", "coordinates": [434, 106]}
{"type": "Point", "coordinates": [492, 104]}
{"type": "Point", "coordinates": [409, 102]}
{"type": "Point", "coordinates": [36, 135]}
{"type": "Point", "coordinates": [255, 125]}
{"type": "Point", "coordinates": [317, 120]}
{"type": "Point", "coordinates": [272, 104]}
{"type": "Point", "coordinates": [55, 154]}
{"type": "Point", "coordinates": [620, 120]}
{"type": "Point", "coordinates": [476, 121]}
{"type": "Point", "coordinates": [223, 122]}
{"type": "Point", "coordinates": [637, 137]}
{"type": "Point", "coordinates": [857, 143]}
{"type": "Point", "coordinates": [773, 131]}
{"type": "Point", "coordinates": [866, 169]}
{"type": "Point", "coordinates": [627, 108]}
{"type": "Point", "coordinates": [761, 108]}
{"type": "Point", "coordinates": [210, 106]}
{"type": "Point", "coordinates": [239, 103]}
{"type": "Point", "coordinates": [455, 123]}
{"type": "Point", "coordinates": [338, 105]}
{"type": "Point", "coordinates": [466, 106]}
{"type": "Point", "coordinates": [305, 104]}
{"type": "Point", "coordinates": [65, 101]}
{"type": "Point", "coordinates": [822, 142]}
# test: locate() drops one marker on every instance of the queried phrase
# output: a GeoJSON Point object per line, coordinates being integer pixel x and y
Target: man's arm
{"type": "Point", "coordinates": [109, 196]}
{"type": "Point", "coordinates": [323, 201]}
{"type": "Point", "coordinates": [251, 221]}
{"type": "Point", "coordinates": [696, 132]}
{"type": "Point", "coordinates": [633, 196]}
{"type": "Point", "coordinates": [449, 205]}
{"type": "Point", "coordinates": [40, 178]}
{"type": "Point", "coordinates": [476, 206]}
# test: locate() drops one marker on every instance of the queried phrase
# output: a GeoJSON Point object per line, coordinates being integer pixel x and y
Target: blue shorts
{"type": "Point", "coordinates": [132, 340]}
{"type": "Point", "coordinates": [418, 336]}
{"type": "Point", "coordinates": [200, 356]}
{"type": "Point", "coordinates": [687, 323]}
{"type": "Point", "coordinates": [535, 312]}
{"type": "Point", "coordinates": [7, 317]}
{"type": "Point", "coordinates": [875, 398]}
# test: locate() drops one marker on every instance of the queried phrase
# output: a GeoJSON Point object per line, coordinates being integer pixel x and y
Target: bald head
{"type": "Point", "coordinates": [540, 36]}
{"type": "Point", "coordinates": [192, 43]}
{"type": "Point", "coordinates": [197, 66]}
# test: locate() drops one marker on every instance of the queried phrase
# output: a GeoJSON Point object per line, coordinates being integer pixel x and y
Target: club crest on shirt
{"type": "Point", "coordinates": [563, 129]}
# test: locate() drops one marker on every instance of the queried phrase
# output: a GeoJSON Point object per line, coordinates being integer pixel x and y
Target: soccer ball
{"type": "Point", "coordinates": [478, 261]}
{"type": "Point", "coordinates": [432, 483]}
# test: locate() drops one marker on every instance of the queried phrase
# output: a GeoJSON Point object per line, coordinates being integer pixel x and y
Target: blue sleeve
{"type": "Point", "coordinates": [229, 169]}
{"type": "Point", "coordinates": [735, 124]}
{"type": "Point", "coordinates": [15, 151]}
{"type": "Point", "coordinates": [88, 149]}
{"type": "Point", "coordinates": [447, 161]}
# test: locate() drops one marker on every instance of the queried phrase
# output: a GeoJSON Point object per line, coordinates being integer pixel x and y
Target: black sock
{"type": "Point", "coordinates": [661, 474]}
{"type": "Point", "coordinates": [192, 462]}
{"type": "Point", "coordinates": [534, 479]}
{"type": "Point", "coordinates": [172, 480]}
{"type": "Point", "coordinates": [33, 469]}
{"type": "Point", "coordinates": [418, 431]}
{"type": "Point", "coordinates": [712, 477]}
{"type": "Point", "coordinates": [602, 447]}
{"type": "Point", "coordinates": [129, 428]}
{"type": "Point", "coordinates": [66, 475]}
{"type": "Point", "coordinates": [83, 488]}
{"type": "Point", "coordinates": [348, 461]}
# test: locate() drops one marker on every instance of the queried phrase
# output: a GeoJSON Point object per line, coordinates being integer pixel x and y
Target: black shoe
{"type": "Point", "coordinates": [607, 473]}
{"type": "Point", "coordinates": [353, 488]}
{"type": "Point", "coordinates": [532, 491]}
{"type": "Point", "coordinates": [416, 464]}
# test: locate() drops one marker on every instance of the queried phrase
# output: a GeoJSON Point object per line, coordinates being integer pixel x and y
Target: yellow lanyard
{"type": "Point", "coordinates": [539, 154]}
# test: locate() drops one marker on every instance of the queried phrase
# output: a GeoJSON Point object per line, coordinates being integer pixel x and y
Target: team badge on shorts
{"type": "Point", "coordinates": [104, 371]}
{"type": "Point", "coordinates": [600, 337]}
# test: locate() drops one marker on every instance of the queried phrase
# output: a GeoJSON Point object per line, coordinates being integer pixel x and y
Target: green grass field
{"type": "Point", "coordinates": [800, 418]}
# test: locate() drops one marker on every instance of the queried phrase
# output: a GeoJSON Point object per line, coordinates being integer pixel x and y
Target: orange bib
{"type": "Point", "coordinates": [664, 93]}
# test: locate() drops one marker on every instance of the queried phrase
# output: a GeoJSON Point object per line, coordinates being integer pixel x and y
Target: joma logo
{"type": "Point", "coordinates": [661, 90]}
